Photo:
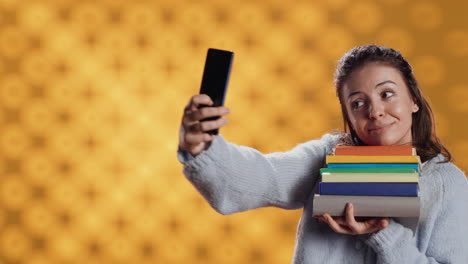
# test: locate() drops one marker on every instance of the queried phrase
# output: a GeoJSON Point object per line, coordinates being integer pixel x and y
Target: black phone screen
{"type": "Point", "coordinates": [216, 77]}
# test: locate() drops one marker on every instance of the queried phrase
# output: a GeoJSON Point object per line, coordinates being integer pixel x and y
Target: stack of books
{"type": "Point", "coordinates": [380, 181]}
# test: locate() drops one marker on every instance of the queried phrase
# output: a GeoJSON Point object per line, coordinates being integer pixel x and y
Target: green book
{"type": "Point", "coordinates": [367, 170]}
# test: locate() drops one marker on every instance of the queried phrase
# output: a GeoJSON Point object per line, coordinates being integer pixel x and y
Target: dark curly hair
{"type": "Point", "coordinates": [424, 138]}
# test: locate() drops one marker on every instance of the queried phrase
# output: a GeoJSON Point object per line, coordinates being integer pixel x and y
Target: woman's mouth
{"type": "Point", "coordinates": [377, 129]}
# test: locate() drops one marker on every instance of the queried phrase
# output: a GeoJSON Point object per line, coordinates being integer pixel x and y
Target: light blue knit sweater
{"type": "Point", "coordinates": [236, 178]}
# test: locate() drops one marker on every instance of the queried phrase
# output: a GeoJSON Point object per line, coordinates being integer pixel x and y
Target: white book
{"type": "Point", "coordinates": [377, 206]}
{"type": "Point", "coordinates": [370, 177]}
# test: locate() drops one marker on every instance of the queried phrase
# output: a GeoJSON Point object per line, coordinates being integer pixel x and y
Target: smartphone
{"type": "Point", "coordinates": [215, 78]}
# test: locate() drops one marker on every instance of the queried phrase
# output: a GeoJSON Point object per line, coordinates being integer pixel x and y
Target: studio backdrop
{"type": "Point", "coordinates": [92, 94]}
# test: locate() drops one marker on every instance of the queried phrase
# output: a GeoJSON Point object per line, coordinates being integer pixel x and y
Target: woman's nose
{"type": "Point", "coordinates": [376, 110]}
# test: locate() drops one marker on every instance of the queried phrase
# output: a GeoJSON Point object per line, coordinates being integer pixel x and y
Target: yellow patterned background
{"type": "Point", "coordinates": [92, 94]}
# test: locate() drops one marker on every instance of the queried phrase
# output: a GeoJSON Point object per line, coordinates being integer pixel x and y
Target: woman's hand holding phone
{"type": "Point", "coordinates": [193, 133]}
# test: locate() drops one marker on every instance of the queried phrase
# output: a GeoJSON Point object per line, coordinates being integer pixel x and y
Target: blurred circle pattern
{"type": "Point", "coordinates": [92, 95]}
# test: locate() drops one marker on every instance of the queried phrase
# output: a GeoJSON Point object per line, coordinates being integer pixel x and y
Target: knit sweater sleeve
{"type": "Point", "coordinates": [236, 178]}
{"type": "Point", "coordinates": [445, 238]}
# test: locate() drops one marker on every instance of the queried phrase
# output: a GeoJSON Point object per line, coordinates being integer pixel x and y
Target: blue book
{"type": "Point", "coordinates": [374, 165]}
{"type": "Point", "coordinates": [368, 189]}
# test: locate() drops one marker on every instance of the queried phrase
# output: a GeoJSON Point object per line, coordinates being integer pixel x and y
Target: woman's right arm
{"type": "Point", "coordinates": [235, 178]}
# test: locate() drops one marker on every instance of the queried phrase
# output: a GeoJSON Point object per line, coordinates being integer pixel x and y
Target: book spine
{"type": "Point", "coordinates": [374, 165]}
{"type": "Point", "coordinates": [375, 151]}
{"type": "Point", "coordinates": [367, 170]}
{"type": "Point", "coordinates": [373, 206]}
{"type": "Point", "coordinates": [371, 189]}
{"type": "Point", "coordinates": [372, 159]}
{"type": "Point", "coordinates": [370, 177]}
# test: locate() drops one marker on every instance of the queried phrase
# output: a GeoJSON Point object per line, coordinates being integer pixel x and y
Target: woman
{"type": "Point", "coordinates": [381, 105]}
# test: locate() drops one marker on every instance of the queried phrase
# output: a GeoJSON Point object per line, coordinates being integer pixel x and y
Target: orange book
{"type": "Point", "coordinates": [371, 159]}
{"type": "Point", "coordinates": [403, 150]}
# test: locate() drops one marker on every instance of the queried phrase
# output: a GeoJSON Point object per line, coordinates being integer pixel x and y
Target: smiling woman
{"type": "Point", "coordinates": [381, 105]}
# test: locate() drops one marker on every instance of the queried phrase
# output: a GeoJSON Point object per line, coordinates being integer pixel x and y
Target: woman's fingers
{"type": "Point", "coordinates": [350, 221]}
{"type": "Point", "coordinates": [381, 223]}
{"type": "Point", "coordinates": [200, 117]}
{"type": "Point", "coordinates": [207, 125]}
{"type": "Point", "coordinates": [198, 100]}
{"type": "Point", "coordinates": [192, 116]}
{"type": "Point", "coordinates": [197, 138]}
{"type": "Point", "coordinates": [336, 226]}
{"type": "Point", "coordinates": [349, 225]}
{"type": "Point", "coordinates": [365, 227]}
{"type": "Point", "coordinates": [199, 108]}
{"type": "Point", "coordinates": [340, 220]}
{"type": "Point", "coordinates": [210, 125]}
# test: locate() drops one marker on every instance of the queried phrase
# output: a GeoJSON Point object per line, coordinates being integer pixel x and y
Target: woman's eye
{"type": "Point", "coordinates": [357, 104]}
{"type": "Point", "coordinates": [387, 94]}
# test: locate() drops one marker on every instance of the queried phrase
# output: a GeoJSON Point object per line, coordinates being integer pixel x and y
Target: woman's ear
{"type": "Point", "coordinates": [415, 108]}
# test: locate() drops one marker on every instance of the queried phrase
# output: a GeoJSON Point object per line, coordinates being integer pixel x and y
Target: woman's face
{"type": "Point", "coordinates": [379, 105]}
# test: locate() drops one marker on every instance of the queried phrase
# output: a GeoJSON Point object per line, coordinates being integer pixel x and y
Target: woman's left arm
{"type": "Point", "coordinates": [449, 233]}
{"type": "Point", "coordinates": [395, 243]}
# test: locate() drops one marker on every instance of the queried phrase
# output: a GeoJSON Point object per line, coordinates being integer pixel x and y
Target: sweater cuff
{"type": "Point", "coordinates": [184, 156]}
{"type": "Point", "coordinates": [386, 238]}
{"type": "Point", "coordinates": [191, 162]}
